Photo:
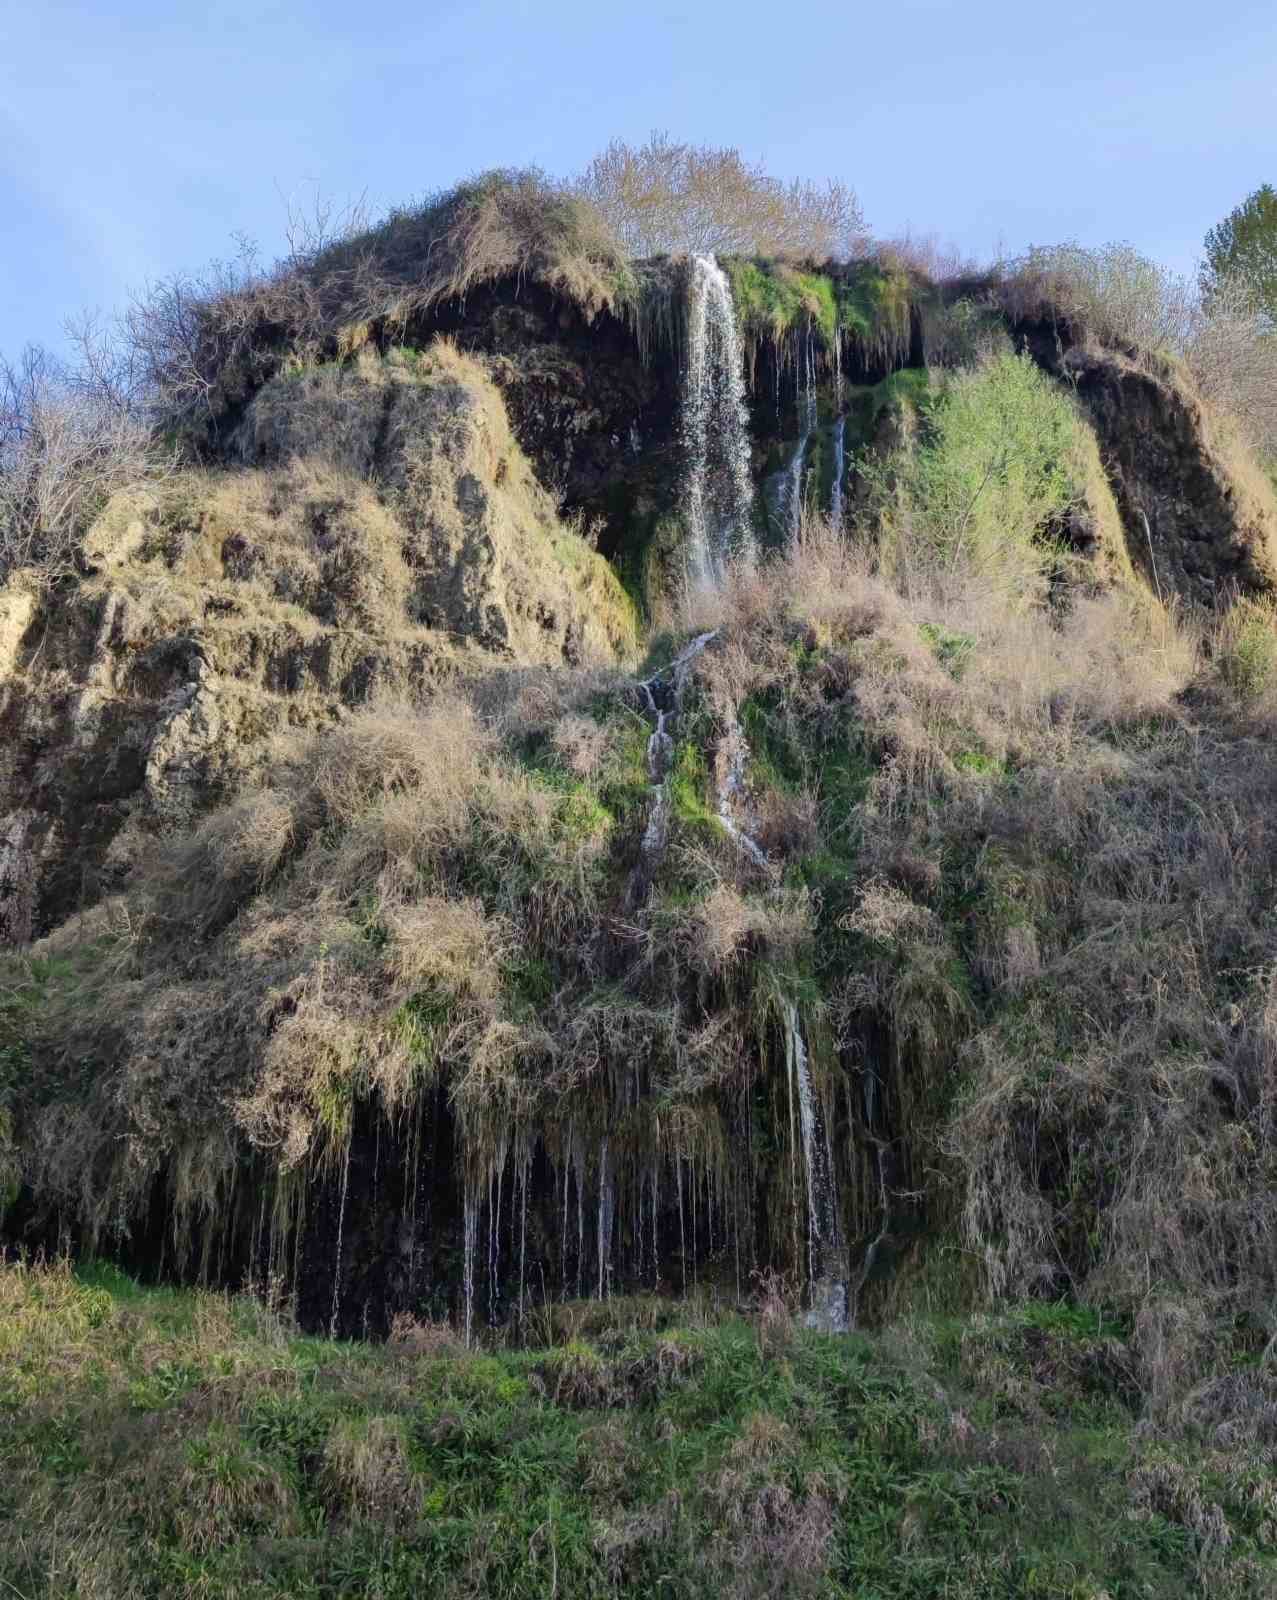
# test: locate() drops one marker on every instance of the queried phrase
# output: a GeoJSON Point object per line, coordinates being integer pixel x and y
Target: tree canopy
{"type": "Point", "coordinates": [1244, 247]}
{"type": "Point", "coordinates": [666, 196]}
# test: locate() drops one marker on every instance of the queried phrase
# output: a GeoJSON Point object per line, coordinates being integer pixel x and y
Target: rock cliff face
{"type": "Point", "coordinates": [578, 976]}
{"type": "Point", "coordinates": [373, 525]}
{"type": "Point", "coordinates": [391, 534]}
{"type": "Point", "coordinates": [1200, 520]}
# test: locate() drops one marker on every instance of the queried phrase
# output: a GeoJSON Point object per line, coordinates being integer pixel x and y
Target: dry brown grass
{"type": "Point", "coordinates": [777, 1539]}
{"type": "Point", "coordinates": [368, 1474]}
{"type": "Point", "coordinates": [210, 340]}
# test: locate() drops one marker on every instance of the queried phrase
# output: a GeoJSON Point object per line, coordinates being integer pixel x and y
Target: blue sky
{"type": "Point", "coordinates": [137, 137]}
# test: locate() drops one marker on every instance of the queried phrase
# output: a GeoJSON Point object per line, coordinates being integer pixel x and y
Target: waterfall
{"type": "Point", "coordinates": [718, 493]}
{"type": "Point", "coordinates": [840, 466]}
{"type": "Point", "coordinates": [828, 1310]}
{"type": "Point", "coordinates": [663, 698]}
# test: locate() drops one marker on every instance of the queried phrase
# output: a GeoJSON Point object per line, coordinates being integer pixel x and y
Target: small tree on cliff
{"type": "Point", "coordinates": [1243, 249]}
{"type": "Point", "coordinates": [666, 196]}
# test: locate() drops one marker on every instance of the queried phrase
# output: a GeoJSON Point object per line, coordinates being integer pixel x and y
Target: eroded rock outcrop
{"type": "Point", "coordinates": [392, 535]}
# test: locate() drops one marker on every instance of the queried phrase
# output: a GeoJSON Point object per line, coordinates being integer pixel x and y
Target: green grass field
{"type": "Point", "coordinates": [160, 1442]}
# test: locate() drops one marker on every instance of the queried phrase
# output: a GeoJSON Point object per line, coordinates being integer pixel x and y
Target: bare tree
{"type": "Point", "coordinates": [314, 226]}
{"type": "Point", "coordinates": [179, 348]}
{"type": "Point", "coordinates": [666, 196]}
{"type": "Point", "coordinates": [1231, 349]}
{"type": "Point", "coordinates": [67, 443]}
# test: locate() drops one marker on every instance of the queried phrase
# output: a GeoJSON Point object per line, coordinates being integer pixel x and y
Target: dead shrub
{"type": "Point", "coordinates": [1166, 1488]}
{"type": "Point", "coordinates": [774, 1537]}
{"type": "Point", "coordinates": [205, 878]}
{"type": "Point", "coordinates": [411, 1337]}
{"type": "Point", "coordinates": [775, 1301]}
{"type": "Point", "coordinates": [64, 451]}
{"type": "Point", "coordinates": [607, 1460]}
{"type": "Point", "coordinates": [583, 745]}
{"type": "Point", "coordinates": [220, 1492]}
{"type": "Point", "coordinates": [719, 926]}
{"type": "Point", "coordinates": [664, 1365]}
{"type": "Point", "coordinates": [367, 1474]}
{"type": "Point", "coordinates": [578, 1377]}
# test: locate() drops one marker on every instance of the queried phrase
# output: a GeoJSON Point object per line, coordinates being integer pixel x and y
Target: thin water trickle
{"type": "Point", "coordinates": [522, 1177]}
{"type": "Point", "coordinates": [607, 1205]}
{"type": "Point", "coordinates": [718, 493]}
{"type": "Point", "coordinates": [494, 1234]}
{"type": "Point", "coordinates": [341, 1228]}
{"type": "Point", "coordinates": [471, 1206]}
{"type": "Point", "coordinates": [733, 757]}
{"type": "Point", "coordinates": [839, 438]}
{"type": "Point", "coordinates": [789, 504]}
{"type": "Point", "coordinates": [667, 687]}
{"type": "Point", "coordinates": [828, 1291]}
{"type": "Point", "coordinates": [840, 468]}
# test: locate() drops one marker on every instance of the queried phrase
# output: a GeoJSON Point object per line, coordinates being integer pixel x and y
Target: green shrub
{"type": "Point", "coordinates": [1247, 648]}
{"type": "Point", "coordinates": [997, 464]}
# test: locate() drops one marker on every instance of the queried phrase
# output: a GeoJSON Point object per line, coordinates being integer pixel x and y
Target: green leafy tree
{"type": "Point", "coordinates": [1244, 247]}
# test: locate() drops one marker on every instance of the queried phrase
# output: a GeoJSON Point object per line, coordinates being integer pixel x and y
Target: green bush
{"type": "Point", "coordinates": [997, 464]}
{"type": "Point", "coordinates": [1247, 655]}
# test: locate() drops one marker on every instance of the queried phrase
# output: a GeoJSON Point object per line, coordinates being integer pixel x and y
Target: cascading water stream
{"type": "Point", "coordinates": [718, 493]}
{"type": "Point", "coordinates": [840, 467]}
{"type": "Point", "coordinates": [663, 698]}
{"type": "Point", "coordinates": [733, 757]}
{"type": "Point", "coordinates": [790, 502]}
{"type": "Point", "coordinates": [828, 1310]}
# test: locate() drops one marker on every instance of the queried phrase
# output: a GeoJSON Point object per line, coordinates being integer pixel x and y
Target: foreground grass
{"type": "Point", "coordinates": [157, 1442]}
